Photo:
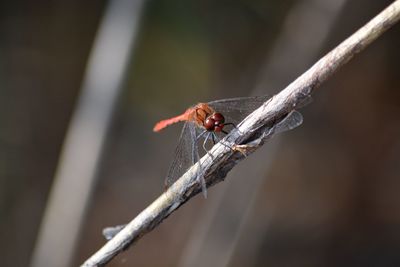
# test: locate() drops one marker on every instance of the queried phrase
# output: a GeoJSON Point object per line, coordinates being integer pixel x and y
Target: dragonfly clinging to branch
{"type": "Point", "coordinates": [208, 121]}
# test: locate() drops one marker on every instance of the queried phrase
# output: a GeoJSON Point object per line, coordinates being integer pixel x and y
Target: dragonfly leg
{"type": "Point", "coordinates": [235, 147]}
{"type": "Point", "coordinates": [230, 123]}
{"type": "Point", "coordinates": [201, 134]}
{"type": "Point", "coordinates": [219, 140]}
{"type": "Point", "coordinates": [212, 134]}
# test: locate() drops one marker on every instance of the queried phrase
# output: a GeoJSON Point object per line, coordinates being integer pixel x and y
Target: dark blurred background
{"type": "Point", "coordinates": [330, 194]}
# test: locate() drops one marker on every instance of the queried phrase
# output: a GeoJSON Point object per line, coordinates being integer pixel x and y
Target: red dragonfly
{"type": "Point", "coordinates": [209, 120]}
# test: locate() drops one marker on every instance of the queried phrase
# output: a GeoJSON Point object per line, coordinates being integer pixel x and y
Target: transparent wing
{"type": "Point", "coordinates": [291, 121]}
{"type": "Point", "coordinates": [236, 109]}
{"type": "Point", "coordinates": [186, 153]}
{"type": "Point", "coordinates": [110, 232]}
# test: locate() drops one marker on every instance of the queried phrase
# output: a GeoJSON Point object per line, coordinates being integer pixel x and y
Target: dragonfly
{"type": "Point", "coordinates": [209, 121]}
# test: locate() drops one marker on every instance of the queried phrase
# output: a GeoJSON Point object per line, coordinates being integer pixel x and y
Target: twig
{"type": "Point", "coordinates": [223, 159]}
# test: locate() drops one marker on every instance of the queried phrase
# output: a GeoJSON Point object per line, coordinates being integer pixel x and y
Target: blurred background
{"type": "Point", "coordinates": [83, 82]}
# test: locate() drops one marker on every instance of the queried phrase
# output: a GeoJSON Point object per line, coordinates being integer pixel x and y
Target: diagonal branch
{"type": "Point", "coordinates": [252, 130]}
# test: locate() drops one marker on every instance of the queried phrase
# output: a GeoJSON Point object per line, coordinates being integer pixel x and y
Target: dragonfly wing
{"type": "Point", "coordinates": [291, 121]}
{"type": "Point", "coordinates": [185, 155]}
{"type": "Point", "coordinates": [236, 109]}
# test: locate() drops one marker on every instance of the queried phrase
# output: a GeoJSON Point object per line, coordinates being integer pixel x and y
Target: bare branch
{"type": "Point", "coordinates": [249, 135]}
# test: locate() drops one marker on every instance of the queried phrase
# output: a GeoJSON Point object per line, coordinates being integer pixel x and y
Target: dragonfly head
{"type": "Point", "coordinates": [215, 122]}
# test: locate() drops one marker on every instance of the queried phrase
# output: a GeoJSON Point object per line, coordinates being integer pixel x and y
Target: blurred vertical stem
{"type": "Point", "coordinates": [81, 153]}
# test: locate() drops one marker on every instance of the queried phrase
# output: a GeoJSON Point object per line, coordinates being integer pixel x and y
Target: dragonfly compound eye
{"type": "Point", "coordinates": [209, 124]}
{"type": "Point", "coordinates": [218, 117]}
